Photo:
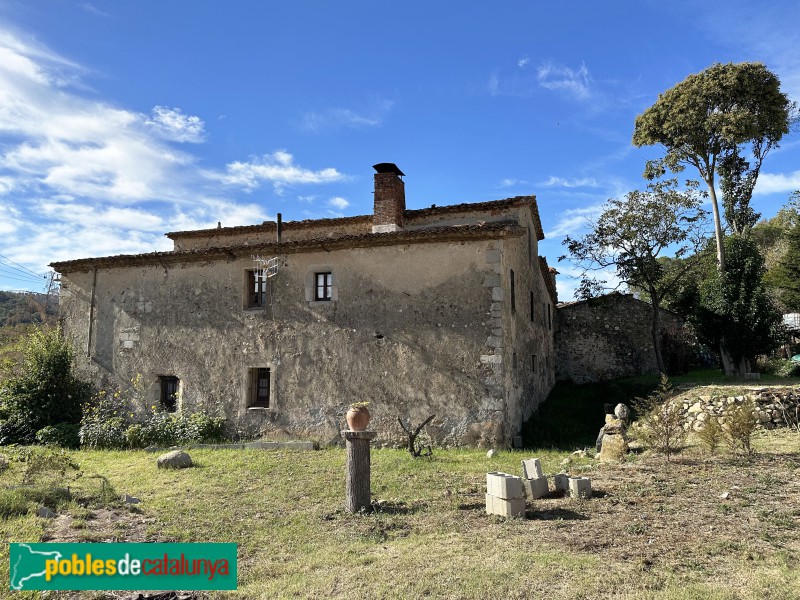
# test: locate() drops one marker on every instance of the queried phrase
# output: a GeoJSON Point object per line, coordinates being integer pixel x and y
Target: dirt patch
{"type": "Point", "coordinates": [115, 524]}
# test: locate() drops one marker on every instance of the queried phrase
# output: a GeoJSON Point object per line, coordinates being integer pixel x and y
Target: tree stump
{"type": "Point", "coordinates": [357, 487]}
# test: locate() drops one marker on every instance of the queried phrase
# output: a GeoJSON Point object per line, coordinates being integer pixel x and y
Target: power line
{"type": "Point", "coordinates": [18, 273]}
{"type": "Point", "coordinates": [21, 266]}
{"type": "Point", "coordinates": [18, 279]}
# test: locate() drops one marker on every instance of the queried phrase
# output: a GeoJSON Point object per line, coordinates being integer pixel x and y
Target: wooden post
{"type": "Point", "coordinates": [357, 488]}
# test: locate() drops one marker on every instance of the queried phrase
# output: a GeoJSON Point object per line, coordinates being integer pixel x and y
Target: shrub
{"type": "Point", "coordinates": [780, 367]}
{"type": "Point", "coordinates": [740, 424]}
{"type": "Point", "coordinates": [711, 435]}
{"type": "Point", "coordinates": [64, 435]}
{"type": "Point", "coordinates": [104, 422]}
{"type": "Point", "coordinates": [45, 392]}
{"type": "Point", "coordinates": [660, 421]}
{"type": "Point", "coordinates": [169, 429]}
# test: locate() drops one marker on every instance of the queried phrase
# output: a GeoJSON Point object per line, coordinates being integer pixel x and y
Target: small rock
{"type": "Point", "coordinates": [725, 495]}
{"type": "Point", "coordinates": [621, 412]}
{"type": "Point", "coordinates": [130, 499]}
{"type": "Point", "coordinates": [45, 513]}
{"type": "Point", "coordinates": [177, 459]}
{"type": "Point", "coordinates": [491, 453]}
{"type": "Point", "coordinates": [579, 453]}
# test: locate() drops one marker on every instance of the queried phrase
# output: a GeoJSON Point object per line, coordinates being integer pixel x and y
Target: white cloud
{"type": "Point", "coordinates": [574, 220]}
{"type": "Point", "coordinates": [92, 9]}
{"type": "Point", "coordinates": [511, 182]}
{"type": "Point", "coordinates": [87, 178]}
{"type": "Point", "coordinates": [553, 181]}
{"type": "Point", "coordinates": [777, 183]}
{"type": "Point", "coordinates": [173, 125]}
{"type": "Point", "coordinates": [523, 62]}
{"type": "Point", "coordinates": [574, 82]}
{"type": "Point", "coordinates": [338, 202]}
{"type": "Point", "coordinates": [346, 118]}
{"type": "Point", "coordinates": [278, 169]}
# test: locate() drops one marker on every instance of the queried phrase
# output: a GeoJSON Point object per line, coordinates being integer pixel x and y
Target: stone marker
{"type": "Point", "coordinates": [491, 453]}
{"type": "Point", "coordinates": [130, 499]}
{"type": "Point", "coordinates": [613, 443]}
{"type": "Point", "coordinates": [177, 459]}
{"type": "Point", "coordinates": [45, 513]}
{"type": "Point", "coordinates": [357, 487]}
{"type": "Point", "coordinates": [622, 412]}
{"type": "Point", "coordinates": [580, 487]}
{"type": "Point", "coordinates": [532, 468]}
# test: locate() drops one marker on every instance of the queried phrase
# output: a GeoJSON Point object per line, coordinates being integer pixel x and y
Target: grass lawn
{"type": "Point", "coordinates": [655, 530]}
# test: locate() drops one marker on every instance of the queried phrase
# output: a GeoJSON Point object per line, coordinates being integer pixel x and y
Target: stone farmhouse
{"type": "Point", "coordinates": [447, 310]}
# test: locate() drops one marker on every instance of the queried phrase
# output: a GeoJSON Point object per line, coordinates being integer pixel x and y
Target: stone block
{"type": "Point", "coordinates": [492, 280]}
{"type": "Point", "coordinates": [492, 256]}
{"type": "Point", "coordinates": [492, 359]}
{"type": "Point", "coordinates": [580, 487]}
{"type": "Point", "coordinates": [494, 341]}
{"type": "Point", "coordinates": [536, 487]}
{"type": "Point", "coordinates": [561, 482]}
{"type": "Point", "coordinates": [497, 294]}
{"type": "Point", "coordinates": [504, 485]}
{"type": "Point", "coordinates": [532, 468]}
{"type": "Point", "coordinates": [505, 507]}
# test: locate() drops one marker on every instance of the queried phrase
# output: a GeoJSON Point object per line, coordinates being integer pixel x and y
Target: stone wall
{"type": "Point", "coordinates": [609, 337]}
{"type": "Point", "coordinates": [775, 407]}
{"type": "Point", "coordinates": [416, 329]}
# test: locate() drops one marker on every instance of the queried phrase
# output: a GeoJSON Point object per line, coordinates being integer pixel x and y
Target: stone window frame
{"type": "Point", "coordinates": [310, 284]}
{"type": "Point", "coordinates": [250, 378]}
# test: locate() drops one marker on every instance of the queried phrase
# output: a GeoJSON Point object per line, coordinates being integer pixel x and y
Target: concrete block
{"type": "Point", "coordinates": [505, 507]}
{"type": "Point", "coordinates": [580, 487]}
{"type": "Point", "coordinates": [532, 468]}
{"type": "Point", "coordinates": [536, 487]}
{"type": "Point", "coordinates": [561, 482]}
{"type": "Point", "coordinates": [504, 485]}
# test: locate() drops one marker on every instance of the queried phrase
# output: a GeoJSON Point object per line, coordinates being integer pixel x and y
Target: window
{"type": "Point", "coordinates": [256, 290]}
{"type": "Point", "coordinates": [514, 360]}
{"type": "Point", "coordinates": [549, 318]}
{"type": "Point", "coordinates": [532, 311]}
{"type": "Point", "coordinates": [513, 300]}
{"type": "Point", "coordinates": [533, 363]}
{"type": "Point", "coordinates": [259, 388]}
{"type": "Point", "coordinates": [324, 286]}
{"type": "Point", "coordinates": [169, 385]}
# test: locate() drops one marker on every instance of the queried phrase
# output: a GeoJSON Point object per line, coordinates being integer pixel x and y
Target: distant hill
{"type": "Point", "coordinates": [18, 308]}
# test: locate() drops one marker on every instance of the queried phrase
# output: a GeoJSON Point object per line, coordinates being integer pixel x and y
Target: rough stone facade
{"type": "Point", "coordinates": [418, 320]}
{"type": "Point", "coordinates": [610, 336]}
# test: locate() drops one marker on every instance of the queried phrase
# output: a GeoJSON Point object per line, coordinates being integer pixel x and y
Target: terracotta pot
{"type": "Point", "coordinates": [358, 418]}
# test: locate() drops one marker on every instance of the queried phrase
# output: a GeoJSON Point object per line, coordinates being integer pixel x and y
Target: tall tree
{"type": "Point", "coordinates": [631, 234]}
{"type": "Point", "coordinates": [786, 274]}
{"type": "Point", "coordinates": [735, 310]}
{"type": "Point", "coordinates": [711, 121]}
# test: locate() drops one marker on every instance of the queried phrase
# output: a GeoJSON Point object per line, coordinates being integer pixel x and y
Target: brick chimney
{"type": "Point", "coordinates": [390, 198]}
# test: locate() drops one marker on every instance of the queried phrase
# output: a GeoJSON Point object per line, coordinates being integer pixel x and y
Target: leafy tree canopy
{"type": "Point", "coordinates": [712, 121]}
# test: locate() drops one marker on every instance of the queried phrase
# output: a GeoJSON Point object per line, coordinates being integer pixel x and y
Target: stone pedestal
{"type": "Point", "coordinates": [357, 487]}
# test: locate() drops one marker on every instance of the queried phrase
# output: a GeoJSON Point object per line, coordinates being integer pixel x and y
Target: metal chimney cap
{"type": "Point", "coordinates": [388, 168]}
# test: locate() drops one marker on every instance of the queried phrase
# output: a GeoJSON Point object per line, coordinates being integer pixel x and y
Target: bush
{"type": "Point", "coordinates": [740, 425]}
{"type": "Point", "coordinates": [780, 367]}
{"type": "Point", "coordinates": [45, 392]}
{"type": "Point", "coordinates": [64, 435]}
{"type": "Point", "coordinates": [105, 421]}
{"type": "Point", "coordinates": [711, 435]}
{"type": "Point", "coordinates": [170, 429]}
{"type": "Point", "coordinates": [660, 425]}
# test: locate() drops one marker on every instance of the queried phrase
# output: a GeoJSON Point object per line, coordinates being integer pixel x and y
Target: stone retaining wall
{"type": "Point", "coordinates": [774, 407]}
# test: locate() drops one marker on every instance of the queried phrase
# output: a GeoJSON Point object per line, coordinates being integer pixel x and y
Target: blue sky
{"type": "Point", "coordinates": [120, 121]}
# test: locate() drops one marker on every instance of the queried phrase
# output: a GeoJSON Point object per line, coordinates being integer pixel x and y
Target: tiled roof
{"type": "Point", "coordinates": [411, 215]}
{"type": "Point", "coordinates": [428, 235]}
